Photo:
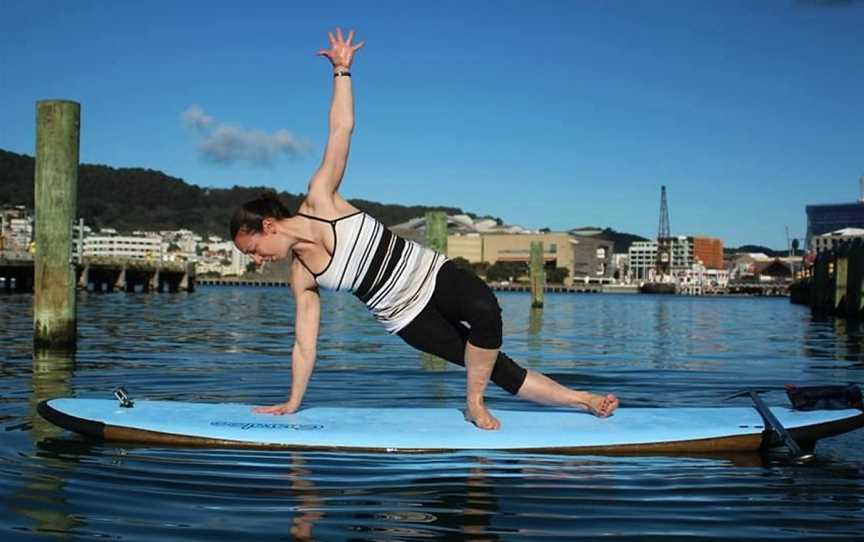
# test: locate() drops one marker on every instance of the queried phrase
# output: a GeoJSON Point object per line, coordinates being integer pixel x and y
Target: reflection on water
{"type": "Point", "coordinates": [220, 345]}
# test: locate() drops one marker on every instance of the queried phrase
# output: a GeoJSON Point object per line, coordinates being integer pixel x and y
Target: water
{"type": "Point", "coordinates": [234, 345]}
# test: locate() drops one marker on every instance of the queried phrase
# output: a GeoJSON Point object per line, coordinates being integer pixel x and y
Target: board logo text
{"type": "Point", "coordinates": [252, 425]}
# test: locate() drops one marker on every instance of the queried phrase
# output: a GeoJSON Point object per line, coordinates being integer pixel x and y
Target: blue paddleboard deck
{"type": "Point", "coordinates": [629, 430]}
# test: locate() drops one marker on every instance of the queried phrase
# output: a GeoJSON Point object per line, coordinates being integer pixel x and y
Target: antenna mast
{"type": "Point", "coordinates": [664, 238]}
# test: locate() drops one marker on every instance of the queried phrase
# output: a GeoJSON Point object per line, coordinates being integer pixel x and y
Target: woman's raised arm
{"type": "Point", "coordinates": [326, 180]}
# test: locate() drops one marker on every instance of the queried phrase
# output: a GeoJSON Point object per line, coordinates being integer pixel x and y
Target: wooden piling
{"type": "Point", "coordinates": [538, 274]}
{"type": "Point", "coordinates": [56, 205]}
{"type": "Point", "coordinates": [436, 231]}
{"type": "Point", "coordinates": [853, 279]}
{"type": "Point", "coordinates": [841, 266]}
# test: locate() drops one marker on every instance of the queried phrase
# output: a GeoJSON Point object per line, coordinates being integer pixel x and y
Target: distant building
{"type": "Point", "coordinates": [709, 251]}
{"type": "Point", "coordinates": [221, 257]}
{"type": "Point", "coordinates": [693, 260]}
{"type": "Point", "coordinates": [123, 246]}
{"type": "Point", "coordinates": [415, 229]}
{"type": "Point", "coordinates": [643, 259]}
{"type": "Point", "coordinates": [592, 257]}
{"type": "Point", "coordinates": [16, 229]}
{"type": "Point", "coordinates": [776, 270]}
{"type": "Point", "coordinates": [683, 253]}
{"type": "Point", "coordinates": [828, 241]}
{"type": "Point", "coordinates": [558, 248]}
{"type": "Point", "coordinates": [621, 267]}
{"type": "Point", "coordinates": [700, 280]}
{"type": "Point", "coordinates": [745, 264]}
{"type": "Point", "coordinates": [822, 219]}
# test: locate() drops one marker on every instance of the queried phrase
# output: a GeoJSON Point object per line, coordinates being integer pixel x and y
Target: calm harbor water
{"type": "Point", "coordinates": [233, 344]}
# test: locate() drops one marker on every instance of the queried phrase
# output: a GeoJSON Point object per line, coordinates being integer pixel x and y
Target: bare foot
{"type": "Point", "coordinates": [602, 406]}
{"type": "Point", "coordinates": [480, 416]}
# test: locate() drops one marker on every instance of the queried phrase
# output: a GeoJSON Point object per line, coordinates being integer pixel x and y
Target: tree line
{"type": "Point", "coordinates": [130, 199]}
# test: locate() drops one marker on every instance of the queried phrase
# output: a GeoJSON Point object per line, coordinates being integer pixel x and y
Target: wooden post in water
{"type": "Point", "coordinates": [538, 274]}
{"type": "Point", "coordinates": [841, 267]}
{"type": "Point", "coordinates": [56, 204]}
{"type": "Point", "coordinates": [436, 231]}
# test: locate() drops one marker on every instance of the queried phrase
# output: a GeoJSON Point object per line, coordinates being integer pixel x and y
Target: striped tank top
{"type": "Point", "coordinates": [394, 277]}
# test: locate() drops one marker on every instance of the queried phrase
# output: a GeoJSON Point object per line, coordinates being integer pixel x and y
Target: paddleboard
{"type": "Point", "coordinates": [629, 430]}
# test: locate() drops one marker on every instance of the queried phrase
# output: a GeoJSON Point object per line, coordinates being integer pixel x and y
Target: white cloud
{"type": "Point", "coordinates": [194, 117]}
{"type": "Point", "coordinates": [225, 143]}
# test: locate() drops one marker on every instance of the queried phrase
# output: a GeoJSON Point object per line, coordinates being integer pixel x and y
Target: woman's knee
{"type": "Point", "coordinates": [508, 374]}
{"type": "Point", "coordinates": [484, 317]}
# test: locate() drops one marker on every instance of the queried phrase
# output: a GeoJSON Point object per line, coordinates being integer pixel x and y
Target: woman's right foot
{"type": "Point", "coordinates": [480, 416]}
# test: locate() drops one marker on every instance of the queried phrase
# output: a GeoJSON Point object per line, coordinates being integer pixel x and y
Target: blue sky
{"type": "Point", "coordinates": [546, 114]}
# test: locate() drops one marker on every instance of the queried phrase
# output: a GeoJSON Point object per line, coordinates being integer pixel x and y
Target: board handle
{"type": "Point", "coordinates": [123, 396]}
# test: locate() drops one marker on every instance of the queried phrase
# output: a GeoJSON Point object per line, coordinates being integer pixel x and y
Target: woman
{"type": "Point", "coordinates": [412, 290]}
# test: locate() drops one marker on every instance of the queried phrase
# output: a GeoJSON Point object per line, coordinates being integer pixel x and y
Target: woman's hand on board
{"type": "Point", "coordinates": [279, 410]}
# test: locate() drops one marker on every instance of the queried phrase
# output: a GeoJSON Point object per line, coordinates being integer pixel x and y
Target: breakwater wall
{"type": "Point", "coordinates": [834, 284]}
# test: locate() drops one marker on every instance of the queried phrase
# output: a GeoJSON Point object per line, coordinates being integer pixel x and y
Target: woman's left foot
{"type": "Point", "coordinates": [480, 416]}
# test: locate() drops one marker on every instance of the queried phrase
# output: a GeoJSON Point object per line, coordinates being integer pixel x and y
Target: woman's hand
{"type": "Point", "coordinates": [341, 52]}
{"type": "Point", "coordinates": [278, 410]}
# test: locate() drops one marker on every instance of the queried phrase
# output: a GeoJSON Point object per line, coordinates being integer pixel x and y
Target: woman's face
{"type": "Point", "coordinates": [263, 246]}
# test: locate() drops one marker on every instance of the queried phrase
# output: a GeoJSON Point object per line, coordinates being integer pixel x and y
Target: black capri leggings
{"type": "Point", "coordinates": [463, 308]}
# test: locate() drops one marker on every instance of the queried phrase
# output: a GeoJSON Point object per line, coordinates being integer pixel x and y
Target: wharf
{"type": "Point", "coordinates": [239, 281]}
{"type": "Point", "coordinates": [551, 288]}
{"type": "Point", "coordinates": [834, 285]}
{"type": "Point", "coordinates": [102, 274]}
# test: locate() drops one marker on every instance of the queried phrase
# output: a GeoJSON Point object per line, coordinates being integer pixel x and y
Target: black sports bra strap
{"type": "Point", "coordinates": [318, 218]}
{"type": "Point", "coordinates": [315, 275]}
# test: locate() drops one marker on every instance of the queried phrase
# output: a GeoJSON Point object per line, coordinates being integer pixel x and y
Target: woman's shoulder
{"type": "Point", "coordinates": [329, 210]}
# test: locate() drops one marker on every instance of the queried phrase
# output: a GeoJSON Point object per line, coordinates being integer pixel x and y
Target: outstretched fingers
{"type": "Point", "coordinates": [341, 49]}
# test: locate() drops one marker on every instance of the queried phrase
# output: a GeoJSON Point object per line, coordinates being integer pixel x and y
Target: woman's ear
{"type": "Point", "coordinates": [268, 225]}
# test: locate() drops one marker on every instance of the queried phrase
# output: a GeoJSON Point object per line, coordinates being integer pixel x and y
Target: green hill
{"type": "Point", "coordinates": [129, 199]}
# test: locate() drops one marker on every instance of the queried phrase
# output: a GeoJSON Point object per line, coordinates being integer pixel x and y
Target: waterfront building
{"type": "Point", "coordinates": [180, 245]}
{"type": "Point", "coordinates": [592, 258]}
{"type": "Point", "coordinates": [123, 247]}
{"type": "Point", "coordinates": [621, 267]}
{"type": "Point", "coordinates": [221, 257]}
{"type": "Point", "coordinates": [79, 232]}
{"type": "Point", "coordinates": [828, 241]}
{"type": "Point", "coordinates": [745, 264]}
{"type": "Point", "coordinates": [642, 257]}
{"type": "Point", "coordinates": [708, 251]}
{"type": "Point", "coordinates": [16, 229]}
{"type": "Point", "coordinates": [683, 252]}
{"type": "Point", "coordinates": [558, 249]}
{"type": "Point", "coordinates": [777, 270]}
{"type": "Point", "coordinates": [822, 219]}
{"type": "Point", "coordinates": [700, 280]}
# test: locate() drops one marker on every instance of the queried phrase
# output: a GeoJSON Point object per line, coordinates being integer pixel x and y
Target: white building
{"type": "Point", "coordinates": [828, 241]}
{"type": "Point", "coordinates": [682, 253]}
{"type": "Point", "coordinates": [125, 247]}
{"type": "Point", "coordinates": [221, 257]}
{"type": "Point", "coordinates": [699, 281]}
{"type": "Point", "coordinates": [16, 229]}
{"type": "Point", "coordinates": [643, 260]}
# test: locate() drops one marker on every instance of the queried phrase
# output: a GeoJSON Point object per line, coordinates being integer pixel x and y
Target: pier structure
{"type": "Point", "coordinates": [16, 271]}
{"type": "Point", "coordinates": [241, 281]}
{"type": "Point", "coordinates": [101, 274]}
{"type": "Point", "coordinates": [834, 284]}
